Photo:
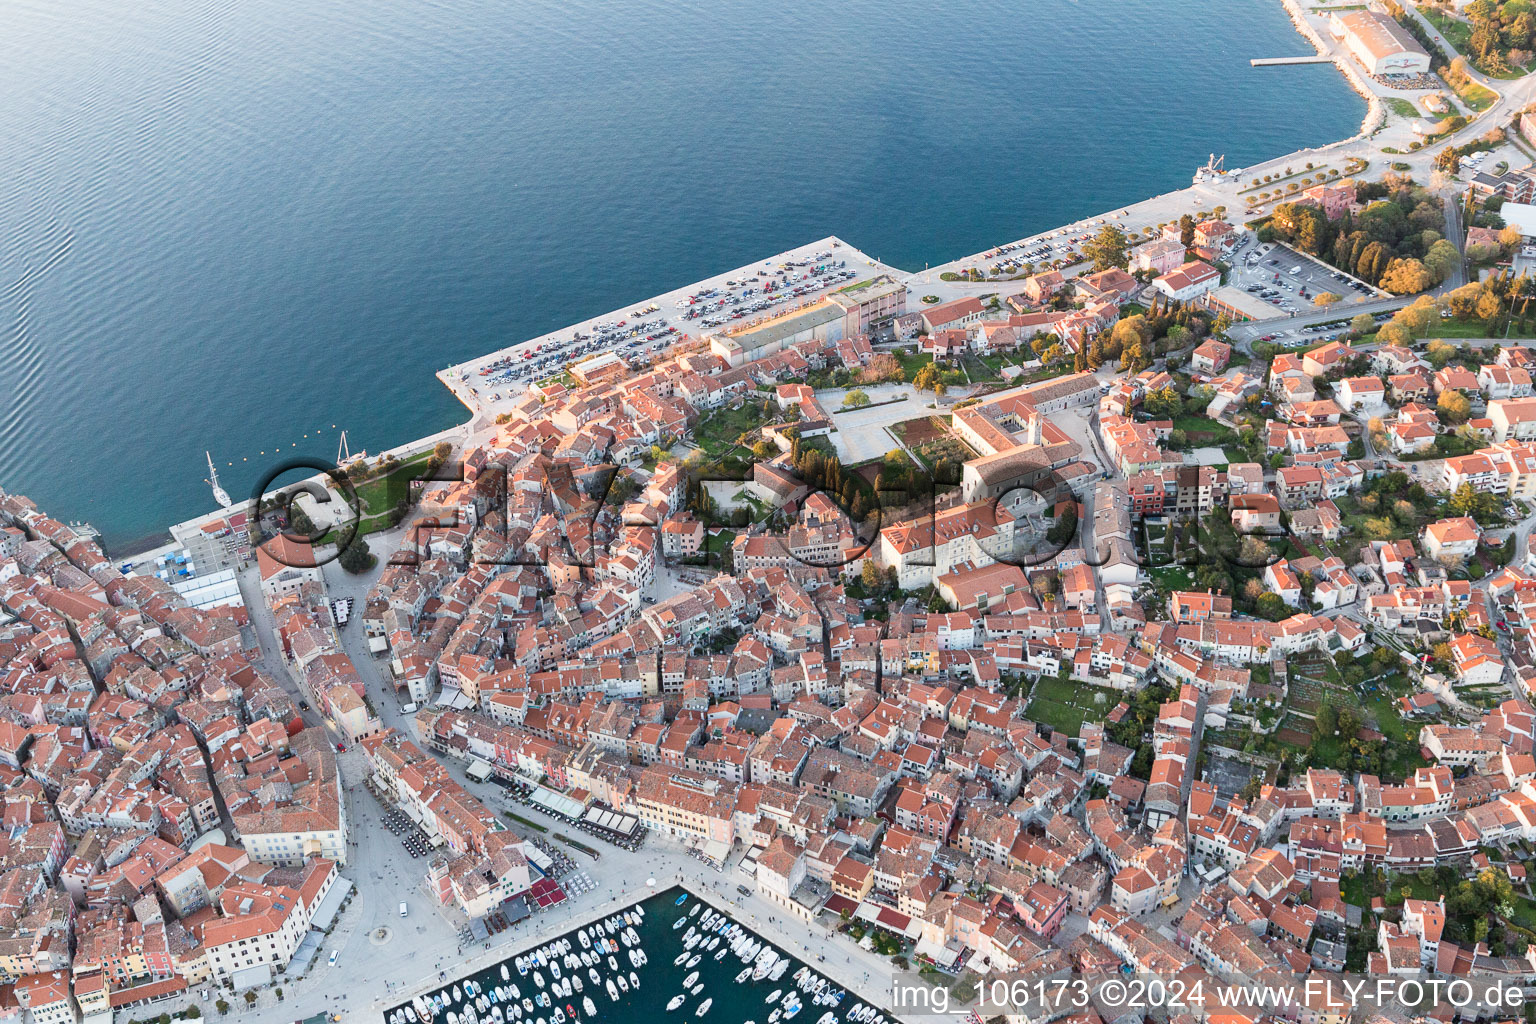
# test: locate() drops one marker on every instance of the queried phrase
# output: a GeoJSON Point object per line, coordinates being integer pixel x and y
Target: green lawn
{"type": "Point", "coordinates": [1172, 577]}
{"type": "Point", "coordinates": [1402, 108]}
{"type": "Point", "coordinates": [717, 432]}
{"type": "Point", "coordinates": [1065, 705]}
{"type": "Point", "coordinates": [912, 361]}
{"type": "Point", "coordinates": [1203, 431]}
{"type": "Point", "coordinates": [1457, 32]}
{"type": "Point", "coordinates": [1475, 96]}
{"type": "Point", "coordinates": [1464, 329]}
{"type": "Point", "coordinates": [378, 494]}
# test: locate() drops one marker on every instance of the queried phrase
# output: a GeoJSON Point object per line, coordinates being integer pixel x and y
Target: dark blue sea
{"type": "Point", "coordinates": [236, 225]}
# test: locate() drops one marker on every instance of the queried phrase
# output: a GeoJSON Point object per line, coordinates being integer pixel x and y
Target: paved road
{"type": "Point", "coordinates": [1454, 231]}
{"type": "Point", "coordinates": [1245, 334]}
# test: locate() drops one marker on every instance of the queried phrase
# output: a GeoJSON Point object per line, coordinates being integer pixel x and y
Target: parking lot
{"type": "Point", "coordinates": [1289, 281]}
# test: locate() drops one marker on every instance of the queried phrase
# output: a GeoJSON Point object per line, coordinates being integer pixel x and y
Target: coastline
{"type": "Point", "coordinates": [1376, 110]}
{"type": "Point", "coordinates": [480, 417]}
{"type": "Point", "coordinates": [865, 991]}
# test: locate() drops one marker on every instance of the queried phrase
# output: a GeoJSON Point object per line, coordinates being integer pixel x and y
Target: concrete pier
{"type": "Point", "coordinates": [1269, 62]}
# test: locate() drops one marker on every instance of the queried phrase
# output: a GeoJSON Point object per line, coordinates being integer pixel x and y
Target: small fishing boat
{"type": "Point", "coordinates": [588, 1005]}
{"type": "Point", "coordinates": [675, 1002]}
{"type": "Point", "coordinates": [773, 996]}
{"type": "Point", "coordinates": [679, 923]}
{"type": "Point", "coordinates": [613, 992]}
{"type": "Point", "coordinates": [743, 975]}
{"type": "Point", "coordinates": [681, 900]}
{"type": "Point", "coordinates": [623, 983]}
{"type": "Point", "coordinates": [634, 981]}
{"type": "Point", "coordinates": [505, 974]}
{"type": "Point", "coordinates": [703, 1008]}
{"type": "Point", "coordinates": [613, 964]}
{"type": "Point", "coordinates": [694, 960]}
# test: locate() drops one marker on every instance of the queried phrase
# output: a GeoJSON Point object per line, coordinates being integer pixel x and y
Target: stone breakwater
{"type": "Point", "coordinates": [1376, 110]}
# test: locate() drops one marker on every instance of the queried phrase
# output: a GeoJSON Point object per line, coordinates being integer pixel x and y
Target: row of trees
{"type": "Point", "coordinates": [1395, 242]}
{"type": "Point", "coordinates": [1502, 34]}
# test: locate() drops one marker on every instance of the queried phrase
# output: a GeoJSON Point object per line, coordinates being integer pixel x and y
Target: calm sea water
{"type": "Point", "coordinates": [661, 978]}
{"type": "Point", "coordinates": [228, 224]}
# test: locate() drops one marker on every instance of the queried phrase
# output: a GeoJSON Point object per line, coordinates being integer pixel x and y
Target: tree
{"type": "Point", "coordinates": [1163, 404]}
{"type": "Point", "coordinates": [1488, 305]}
{"type": "Point", "coordinates": [1463, 500]}
{"type": "Point", "coordinates": [1439, 352]}
{"type": "Point", "coordinates": [1418, 316]}
{"type": "Point", "coordinates": [1271, 607]}
{"type": "Point", "coordinates": [356, 558]}
{"type": "Point", "coordinates": [871, 576]}
{"type": "Point", "coordinates": [1406, 276]}
{"type": "Point", "coordinates": [855, 399]}
{"type": "Point", "coordinates": [1453, 406]}
{"type": "Point", "coordinates": [1362, 324]}
{"type": "Point", "coordinates": [926, 377]}
{"type": "Point", "coordinates": [1187, 231]}
{"type": "Point", "coordinates": [1065, 528]}
{"type": "Point", "coordinates": [1134, 358]}
{"type": "Point", "coordinates": [1326, 298]}
{"type": "Point", "coordinates": [1107, 248]}
{"type": "Point", "coordinates": [1441, 259]}
{"type": "Point", "coordinates": [1377, 528]}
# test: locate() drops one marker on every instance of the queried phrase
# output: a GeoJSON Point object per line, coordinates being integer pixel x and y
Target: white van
{"type": "Point", "coordinates": [403, 909]}
{"type": "Point", "coordinates": [408, 709]}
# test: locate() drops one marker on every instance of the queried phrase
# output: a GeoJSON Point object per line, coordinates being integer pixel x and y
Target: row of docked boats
{"type": "Point", "coordinates": [475, 1002]}
{"type": "Point", "coordinates": [710, 932]}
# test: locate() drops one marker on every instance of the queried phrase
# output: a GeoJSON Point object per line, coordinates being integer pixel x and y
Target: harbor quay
{"type": "Point", "coordinates": [1150, 615]}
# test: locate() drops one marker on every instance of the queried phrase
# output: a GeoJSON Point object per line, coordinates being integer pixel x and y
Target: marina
{"type": "Point", "coordinates": [671, 950]}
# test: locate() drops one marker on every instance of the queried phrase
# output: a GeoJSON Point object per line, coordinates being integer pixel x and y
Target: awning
{"type": "Point", "coordinates": [326, 911]}
{"type": "Point", "coordinates": [941, 955]}
{"type": "Point", "coordinates": [557, 803]}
